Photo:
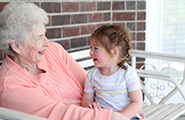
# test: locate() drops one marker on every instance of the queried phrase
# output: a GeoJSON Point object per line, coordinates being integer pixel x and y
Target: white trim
{"type": "Point", "coordinates": [153, 23]}
{"type": "Point", "coordinates": [153, 29]}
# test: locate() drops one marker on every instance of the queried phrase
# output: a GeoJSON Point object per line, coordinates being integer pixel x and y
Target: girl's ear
{"type": "Point", "coordinates": [15, 46]}
{"type": "Point", "coordinates": [115, 51]}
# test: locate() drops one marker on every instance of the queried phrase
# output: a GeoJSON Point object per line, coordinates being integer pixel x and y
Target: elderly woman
{"type": "Point", "coordinates": [39, 77]}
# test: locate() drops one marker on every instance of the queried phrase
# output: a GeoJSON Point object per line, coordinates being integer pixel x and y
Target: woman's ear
{"type": "Point", "coordinates": [15, 46]}
{"type": "Point", "coordinates": [115, 51]}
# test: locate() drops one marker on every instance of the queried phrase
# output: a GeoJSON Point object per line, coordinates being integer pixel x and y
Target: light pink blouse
{"type": "Point", "coordinates": [55, 94]}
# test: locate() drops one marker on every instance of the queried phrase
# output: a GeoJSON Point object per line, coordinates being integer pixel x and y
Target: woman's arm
{"type": "Point", "coordinates": [79, 73]}
{"type": "Point", "coordinates": [135, 105]}
{"type": "Point", "coordinates": [35, 101]}
{"type": "Point", "coordinates": [61, 55]}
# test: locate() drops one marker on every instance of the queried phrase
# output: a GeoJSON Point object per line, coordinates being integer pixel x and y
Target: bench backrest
{"type": "Point", "coordinates": [162, 84]}
{"type": "Point", "coordinates": [84, 59]}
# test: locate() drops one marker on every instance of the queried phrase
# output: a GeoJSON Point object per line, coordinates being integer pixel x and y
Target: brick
{"type": "Point", "coordinates": [88, 29]}
{"type": "Point", "coordinates": [88, 40]}
{"type": "Point", "coordinates": [64, 43]}
{"type": "Point", "coordinates": [60, 20]}
{"type": "Point", "coordinates": [124, 11]}
{"type": "Point", "coordinates": [124, 16]}
{"type": "Point", "coordinates": [78, 42]}
{"type": "Point", "coordinates": [103, 6]}
{"type": "Point", "coordinates": [141, 16]}
{"type": "Point", "coordinates": [49, 21]}
{"type": "Point", "coordinates": [131, 25]}
{"type": "Point", "coordinates": [71, 31]}
{"type": "Point", "coordinates": [53, 33]}
{"type": "Point", "coordinates": [141, 5]}
{"type": "Point", "coordinates": [133, 45]}
{"type": "Point", "coordinates": [51, 7]}
{"type": "Point", "coordinates": [2, 4]}
{"type": "Point", "coordinates": [37, 3]}
{"type": "Point", "coordinates": [141, 26]}
{"type": "Point", "coordinates": [70, 6]}
{"type": "Point", "coordinates": [131, 5]}
{"type": "Point", "coordinates": [119, 24]}
{"type": "Point", "coordinates": [1, 56]}
{"type": "Point", "coordinates": [106, 16]}
{"type": "Point", "coordinates": [119, 5]}
{"type": "Point", "coordinates": [99, 25]}
{"type": "Point", "coordinates": [140, 59]}
{"type": "Point", "coordinates": [87, 6]}
{"type": "Point", "coordinates": [134, 36]}
{"type": "Point", "coordinates": [79, 18]}
{"type": "Point", "coordinates": [140, 46]}
{"type": "Point", "coordinates": [140, 36]}
{"type": "Point", "coordinates": [95, 17]}
{"type": "Point", "coordinates": [139, 65]}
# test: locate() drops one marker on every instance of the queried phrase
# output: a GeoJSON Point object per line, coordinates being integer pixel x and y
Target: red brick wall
{"type": "Point", "coordinates": [72, 22]}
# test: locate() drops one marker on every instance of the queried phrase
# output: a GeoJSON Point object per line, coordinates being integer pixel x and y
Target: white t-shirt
{"type": "Point", "coordinates": [111, 92]}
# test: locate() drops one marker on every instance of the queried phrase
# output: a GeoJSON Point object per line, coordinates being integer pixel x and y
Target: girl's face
{"type": "Point", "coordinates": [32, 51]}
{"type": "Point", "coordinates": [100, 56]}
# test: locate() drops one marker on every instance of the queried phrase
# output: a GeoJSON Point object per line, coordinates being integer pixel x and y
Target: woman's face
{"type": "Point", "coordinates": [32, 51]}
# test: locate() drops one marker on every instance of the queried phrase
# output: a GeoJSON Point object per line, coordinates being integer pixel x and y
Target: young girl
{"type": "Point", "coordinates": [112, 83]}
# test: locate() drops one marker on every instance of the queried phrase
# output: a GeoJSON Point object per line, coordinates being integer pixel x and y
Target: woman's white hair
{"type": "Point", "coordinates": [16, 20]}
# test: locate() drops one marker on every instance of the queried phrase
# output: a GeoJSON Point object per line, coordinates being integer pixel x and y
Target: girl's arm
{"type": "Point", "coordinates": [135, 105]}
{"type": "Point", "coordinates": [88, 101]}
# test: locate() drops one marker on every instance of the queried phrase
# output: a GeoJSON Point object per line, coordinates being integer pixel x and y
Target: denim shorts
{"type": "Point", "coordinates": [135, 118]}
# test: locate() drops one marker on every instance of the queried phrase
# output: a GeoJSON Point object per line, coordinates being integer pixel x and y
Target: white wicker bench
{"type": "Point", "coordinates": [153, 110]}
{"type": "Point", "coordinates": [163, 84]}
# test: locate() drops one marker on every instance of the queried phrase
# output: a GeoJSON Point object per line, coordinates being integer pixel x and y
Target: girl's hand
{"type": "Point", "coordinates": [94, 105]}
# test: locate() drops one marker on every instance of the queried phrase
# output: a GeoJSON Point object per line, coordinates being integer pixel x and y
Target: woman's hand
{"type": "Point", "coordinates": [118, 116]}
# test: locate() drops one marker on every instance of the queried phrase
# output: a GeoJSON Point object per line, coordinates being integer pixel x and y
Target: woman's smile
{"type": "Point", "coordinates": [41, 52]}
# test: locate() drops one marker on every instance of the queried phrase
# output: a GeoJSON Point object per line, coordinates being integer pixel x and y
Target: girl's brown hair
{"type": "Point", "coordinates": [114, 36]}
